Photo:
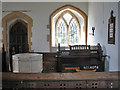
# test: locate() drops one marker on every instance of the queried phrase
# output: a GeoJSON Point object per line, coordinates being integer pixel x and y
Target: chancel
{"type": "Point", "coordinates": [60, 45]}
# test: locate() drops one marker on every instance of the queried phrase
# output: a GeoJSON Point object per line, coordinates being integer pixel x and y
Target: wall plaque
{"type": "Point", "coordinates": [111, 29]}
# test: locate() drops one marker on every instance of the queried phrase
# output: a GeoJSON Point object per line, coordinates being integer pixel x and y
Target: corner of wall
{"type": "Point", "coordinates": [98, 15]}
{"type": "Point", "coordinates": [119, 35]}
{"type": "Point", "coordinates": [0, 43]}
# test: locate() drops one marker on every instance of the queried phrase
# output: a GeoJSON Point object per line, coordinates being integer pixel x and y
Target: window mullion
{"type": "Point", "coordinates": [56, 35]}
{"type": "Point", "coordinates": [68, 35]}
{"type": "Point", "coordinates": [56, 31]}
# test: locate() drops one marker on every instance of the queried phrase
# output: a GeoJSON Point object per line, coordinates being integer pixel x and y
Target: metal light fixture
{"type": "Point", "coordinates": [93, 31]}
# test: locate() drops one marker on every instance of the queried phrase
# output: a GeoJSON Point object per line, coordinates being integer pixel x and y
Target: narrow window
{"type": "Point", "coordinates": [74, 33]}
{"type": "Point", "coordinates": [61, 32]}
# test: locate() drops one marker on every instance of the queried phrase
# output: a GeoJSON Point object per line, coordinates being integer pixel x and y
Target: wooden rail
{"type": "Point", "coordinates": [61, 80]}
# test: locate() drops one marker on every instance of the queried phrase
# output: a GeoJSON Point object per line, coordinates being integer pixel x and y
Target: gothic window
{"type": "Point", "coordinates": [74, 32]}
{"type": "Point", "coordinates": [68, 26]}
{"type": "Point", "coordinates": [67, 29]}
{"type": "Point", "coordinates": [61, 32]}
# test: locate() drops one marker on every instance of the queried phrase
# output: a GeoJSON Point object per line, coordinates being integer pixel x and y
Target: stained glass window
{"type": "Point", "coordinates": [61, 33]}
{"type": "Point", "coordinates": [67, 30]}
{"type": "Point", "coordinates": [67, 17]}
{"type": "Point", "coordinates": [74, 32]}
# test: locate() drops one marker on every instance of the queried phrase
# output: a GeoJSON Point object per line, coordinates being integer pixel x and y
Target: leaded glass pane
{"type": "Point", "coordinates": [67, 17]}
{"type": "Point", "coordinates": [74, 33]}
{"type": "Point", "coordinates": [61, 33]}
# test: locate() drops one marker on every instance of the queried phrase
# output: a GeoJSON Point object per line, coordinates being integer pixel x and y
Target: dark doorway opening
{"type": "Point", "coordinates": [18, 40]}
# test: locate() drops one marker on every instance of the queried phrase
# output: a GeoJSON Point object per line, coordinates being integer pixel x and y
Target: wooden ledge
{"type": "Point", "coordinates": [61, 76]}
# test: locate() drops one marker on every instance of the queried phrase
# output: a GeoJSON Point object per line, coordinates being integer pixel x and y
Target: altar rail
{"type": "Point", "coordinates": [61, 80]}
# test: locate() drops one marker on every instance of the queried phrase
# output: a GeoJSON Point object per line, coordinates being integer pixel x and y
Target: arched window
{"type": "Point", "coordinates": [68, 27]}
{"type": "Point", "coordinates": [74, 32]}
{"type": "Point", "coordinates": [61, 32]}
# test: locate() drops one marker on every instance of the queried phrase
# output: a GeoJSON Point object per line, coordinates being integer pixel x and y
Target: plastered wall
{"type": "Point", "coordinates": [40, 13]}
{"type": "Point", "coordinates": [98, 15]}
{"type": "Point", "coordinates": [119, 35]}
{"type": "Point", "coordinates": [0, 45]}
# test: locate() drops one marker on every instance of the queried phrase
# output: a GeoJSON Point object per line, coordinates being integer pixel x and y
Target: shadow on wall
{"type": "Point", "coordinates": [0, 68]}
{"type": "Point", "coordinates": [0, 60]}
{"type": "Point", "coordinates": [107, 59]}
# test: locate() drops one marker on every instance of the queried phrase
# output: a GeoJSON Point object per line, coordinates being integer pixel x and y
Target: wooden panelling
{"type": "Point", "coordinates": [103, 84]}
{"type": "Point", "coordinates": [93, 84]}
{"type": "Point", "coordinates": [49, 67]}
{"type": "Point", "coordinates": [113, 83]}
{"type": "Point", "coordinates": [60, 84]}
{"type": "Point", "coordinates": [49, 62]}
{"type": "Point", "coordinates": [89, 80]}
{"type": "Point", "coordinates": [104, 76]}
{"type": "Point", "coordinates": [49, 57]}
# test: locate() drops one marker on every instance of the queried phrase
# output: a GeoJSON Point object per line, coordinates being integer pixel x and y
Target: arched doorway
{"type": "Point", "coordinates": [18, 16]}
{"type": "Point", "coordinates": [18, 41]}
{"type": "Point", "coordinates": [16, 34]}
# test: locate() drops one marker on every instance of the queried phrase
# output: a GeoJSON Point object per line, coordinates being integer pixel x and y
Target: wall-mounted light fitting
{"type": "Point", "coordinates": [93, 31]}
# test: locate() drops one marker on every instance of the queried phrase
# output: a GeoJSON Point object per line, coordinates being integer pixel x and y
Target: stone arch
{"type": "Point", "coordinates": [63, 8]}
{"type": "Point", "coordinates": [16, 15]}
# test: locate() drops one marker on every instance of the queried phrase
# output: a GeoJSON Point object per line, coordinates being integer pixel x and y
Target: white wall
{"type": "Point", "coordinates": [111, 50]}
{"type": "Point", "coordinates": [119, 35]}
{"type": "Point", "coordinates": [95, 19]}
{"type": "Point", "coordinates": [0, 35]}
{"type": "Point", "coordinates": [98, 14]}
{"type": "Point", "coordinates": [0, 44]}
{"type": "Point", "coordinates": [40, 13]}
{"type": "Point", "coordinates": [0, 24]}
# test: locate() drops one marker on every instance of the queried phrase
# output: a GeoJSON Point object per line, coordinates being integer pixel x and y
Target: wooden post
{"type": "Point", "coordinates": [4, 63]}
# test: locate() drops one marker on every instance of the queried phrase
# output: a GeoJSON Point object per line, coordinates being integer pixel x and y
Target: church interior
{"type": "Point", "coordinates": [63, 45]}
